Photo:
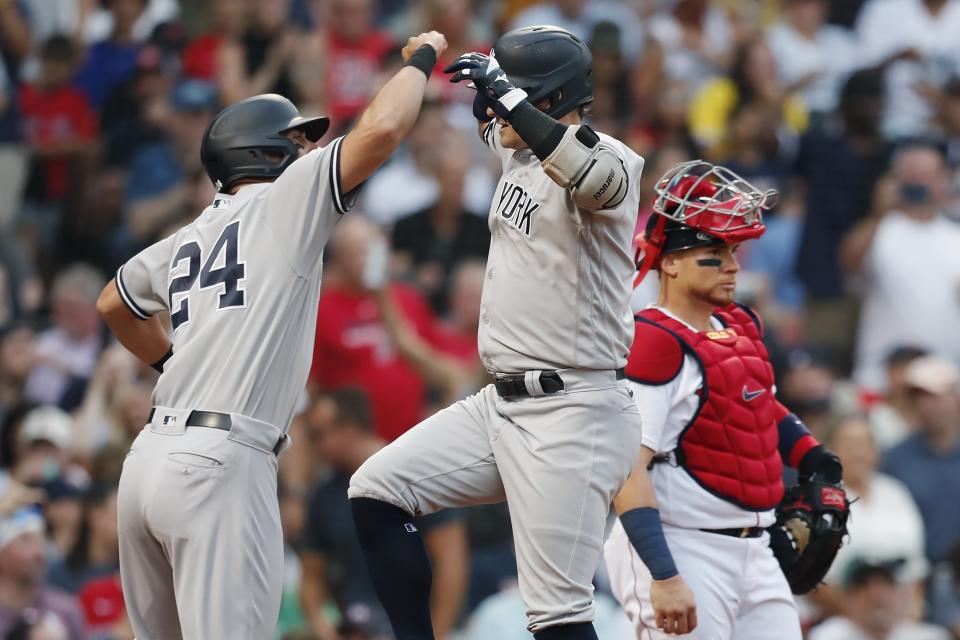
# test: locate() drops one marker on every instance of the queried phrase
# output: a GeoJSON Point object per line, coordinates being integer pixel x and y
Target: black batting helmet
{"type": "Point", "coordinates": [237, 140]}
{"type": "Point", "coordinates": [547, 62]}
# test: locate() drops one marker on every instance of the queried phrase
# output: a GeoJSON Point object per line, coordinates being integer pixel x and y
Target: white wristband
{"type": "Point", "coordinates": [512, 99]}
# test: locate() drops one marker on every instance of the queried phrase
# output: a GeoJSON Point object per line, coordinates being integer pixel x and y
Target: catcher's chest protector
{"type": "Point", "coordinates": [730, 445]}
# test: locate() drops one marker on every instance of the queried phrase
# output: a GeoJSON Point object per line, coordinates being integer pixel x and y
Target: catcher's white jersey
{"type": "Point", "coordinates": [739, 589]}
{"type": "Point", "coordinates": [665, 411]}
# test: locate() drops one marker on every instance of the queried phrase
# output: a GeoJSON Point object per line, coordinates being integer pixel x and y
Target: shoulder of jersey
{"type": "Point", "coordinates": [613, 142]}
{"type": "Point", "coordinates": [656, 355]}
{"type": "Point", "coordinates": [736, 314]}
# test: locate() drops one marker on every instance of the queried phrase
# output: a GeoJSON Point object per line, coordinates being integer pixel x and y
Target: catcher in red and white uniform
{"type": "Point", "coordinates": [724, 546]}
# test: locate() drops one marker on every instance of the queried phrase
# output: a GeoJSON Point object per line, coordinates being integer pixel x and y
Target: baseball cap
{"type": "Point", "coordinates": [47, 423]}
{"type": "Point", "coordinates": [25, 520]}
{"type": "Point", "coordinates": [932, 374]}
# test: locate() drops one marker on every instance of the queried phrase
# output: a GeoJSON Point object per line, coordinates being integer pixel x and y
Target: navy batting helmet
{"type": "Point", "coordinates": [237, 141]}
{"type": "Point", "coordinates": [548, 63]}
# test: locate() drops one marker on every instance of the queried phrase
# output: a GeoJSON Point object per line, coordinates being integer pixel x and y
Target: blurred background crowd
{"type": "Point", "coordinates": [851, 108]}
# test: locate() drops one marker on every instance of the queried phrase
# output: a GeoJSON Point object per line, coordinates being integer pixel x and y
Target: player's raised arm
{"type": "Point", "coordinates": [571, 153]}
{"type": "Point", "coordinates": [636, 504]}
{"type": "Point", "coordinates": [391, 113]}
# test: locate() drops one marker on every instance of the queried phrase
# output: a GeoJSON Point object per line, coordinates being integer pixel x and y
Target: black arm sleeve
{"type": "Point", "coordinates": [537, 129]}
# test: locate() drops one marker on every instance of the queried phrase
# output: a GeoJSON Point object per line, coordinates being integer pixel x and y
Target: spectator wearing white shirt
{"type": "Point", "coordinates": [812, 57]}
{"type": "Point", "coordinates": [694, 43]}
{"type": "Point", "coordinates": [907, 256]}
{"type": "Point", "coordinates": [885, 524]}
{"type": "Point", "coordinates": [875, 606]}
{"type": "Point", "coordinates": [68, 351]}
{"type": "Point", "coordinates": [918, 40]}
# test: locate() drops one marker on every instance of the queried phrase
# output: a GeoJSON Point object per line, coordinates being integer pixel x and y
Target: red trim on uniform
{"type": "Point", "coordinates": [804, 444]}
{"type": "Point", "coordinates": [650, 248]}
{"type": "Point", "coordinates": [656, 356]}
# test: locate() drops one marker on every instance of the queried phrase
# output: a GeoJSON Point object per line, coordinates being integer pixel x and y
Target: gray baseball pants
{"type": "Point", "coordinates": [201, 548]}
{"type": "Point", "coordinates": [558, 460]}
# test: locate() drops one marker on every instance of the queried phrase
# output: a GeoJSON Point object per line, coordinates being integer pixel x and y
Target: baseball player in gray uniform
{"type": "Point", "coordinates": [557, 432]}
{"type": "Point", "coordinates": [201, 550]}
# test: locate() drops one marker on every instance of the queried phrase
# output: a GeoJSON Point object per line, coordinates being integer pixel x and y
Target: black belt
{"type": "Point", "coordinates": [214, 420]}
{"type": "Point", "coordinates": [515, 386]}
{"type": "Point", "coordinates": [738, 532]}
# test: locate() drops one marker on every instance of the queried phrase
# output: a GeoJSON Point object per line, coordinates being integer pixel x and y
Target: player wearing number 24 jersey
{"type": "Point", "coordinates": [201, 549]}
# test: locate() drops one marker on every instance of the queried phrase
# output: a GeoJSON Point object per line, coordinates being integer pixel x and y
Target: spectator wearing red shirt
{"type": "Point", "coordinates": [352, 345]}
{"type": "Point", "coordinates": [59, 126]}
{"type": "Point", "coordinates": [58, 121]}
{"type": "Point", "coordinates": [448, 359]}
{"type": "Point", "coordinates": [355, 54]}
{"type": "Point", "coordinates": [201, 59]}
{"type": "Point", "coordinates": [456, 336]}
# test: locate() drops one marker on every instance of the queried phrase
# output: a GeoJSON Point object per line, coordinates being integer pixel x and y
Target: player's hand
{"type": "Point", "coordinates": [433, 38]}
{"type": "Point", "coordinates": [673, 605]}
{"type": "Point", "coordinates": [486, 75]}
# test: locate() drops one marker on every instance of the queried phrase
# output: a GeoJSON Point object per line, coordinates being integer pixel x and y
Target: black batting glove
{"type": "Point", "coordinates": [482, 102]}
{"type": "Point", "coordinates": [489, 79]}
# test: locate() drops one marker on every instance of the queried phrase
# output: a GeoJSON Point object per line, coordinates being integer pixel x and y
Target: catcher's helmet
{"type": "Point", "coordinates": [700, 204]}
{"type": "Point", "coordinates": [547, 62]}
{"type": "Point", "coordinates": [236, 141]}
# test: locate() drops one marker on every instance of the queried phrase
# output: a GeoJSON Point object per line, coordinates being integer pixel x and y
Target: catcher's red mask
{"type": "Point", "coordinates": [699, 204]}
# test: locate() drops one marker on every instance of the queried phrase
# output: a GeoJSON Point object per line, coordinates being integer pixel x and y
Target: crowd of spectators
{"type": "Point", "coordinates": [850, 108]}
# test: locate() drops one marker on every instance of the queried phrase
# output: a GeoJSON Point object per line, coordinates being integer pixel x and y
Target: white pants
{"type": "Point", "coordinates": [740, 591]}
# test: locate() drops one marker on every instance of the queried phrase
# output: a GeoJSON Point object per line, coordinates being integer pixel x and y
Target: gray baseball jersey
{"type": "Point", "coordinates": [557, 293]}
{"type": "Point", "coordinates": [557, 296]}
{"type": "Point", "coordinates": [242, 283]}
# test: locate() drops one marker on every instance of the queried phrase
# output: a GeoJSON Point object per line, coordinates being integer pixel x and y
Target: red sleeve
{"type": "Point", "coordinates": [656, 356]}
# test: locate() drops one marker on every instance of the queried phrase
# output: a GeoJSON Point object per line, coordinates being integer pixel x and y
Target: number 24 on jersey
{"type": "Point", "coordinates": [227, 276]}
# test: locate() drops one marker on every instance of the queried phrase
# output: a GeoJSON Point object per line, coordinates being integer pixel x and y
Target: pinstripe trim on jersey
{"type": "Point", "coordinates": [128, 299]}
{"type": "Point", "coordinates": [335, 189]}
{"type": "Point", "coordinates": [485, 136]}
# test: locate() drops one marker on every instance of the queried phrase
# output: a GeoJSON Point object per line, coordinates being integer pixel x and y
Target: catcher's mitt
{"type": "Point", "coordinates": [811, 524]}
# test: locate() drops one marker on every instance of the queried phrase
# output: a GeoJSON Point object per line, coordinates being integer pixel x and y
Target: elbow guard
{"type": "Point", "coordinates": [592, 171]}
